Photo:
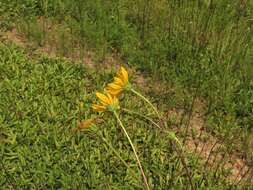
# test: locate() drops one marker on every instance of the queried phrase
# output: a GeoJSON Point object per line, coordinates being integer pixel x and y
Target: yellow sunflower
{"type": "Point", "coordinates": [119, 83]}
{"type": "Point", "coordinates": [107, 102]}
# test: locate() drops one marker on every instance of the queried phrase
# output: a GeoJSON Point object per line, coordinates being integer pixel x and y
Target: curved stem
{"type": "Point", "coordinates": [117, 154]}
{"type": "Point", "coordinates": [183, 161]}
{"type": "Point", "coordinates": [135, 153]}
{"type": "Point", "coordinates": [145, 117]}
{"type": "Point", "coordinates": [146, 100]}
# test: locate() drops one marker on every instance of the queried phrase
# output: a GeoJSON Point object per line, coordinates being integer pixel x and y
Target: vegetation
{"type": "Point", "coordinates": [195, 58]}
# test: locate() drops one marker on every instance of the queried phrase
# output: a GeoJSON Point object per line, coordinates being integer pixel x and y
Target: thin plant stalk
{"type": "Point", "coordinates": [173, 137]}
{"type": "Point", "coordinates": [135, 153]}
{"type": "Point", "coordinates": [117, 154]}
{"type": "Point", "coordinates": [171, 134]}
{"type": "Point", "coordinates": [243, 176]}
{"type": "Point", "coordinates": [183, 161]}
{"type": "Point", "coordinates": [146, 100]}
{"type": "Point", "coordinates": [190, 116]}
{"type": "Point", "coordinates": [141, 115]}
{"type": "Point", "coordinates": [206, 163]}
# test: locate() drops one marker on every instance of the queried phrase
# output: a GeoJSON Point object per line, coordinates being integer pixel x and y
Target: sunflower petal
{"type": "Point", "coordinates": [109, 98]}
{"type": "Point", "coordinates": [115, 100]}
{"type": "Point", "coordinates": [114, 86]}
{"type": "Point", "coordinates": [98, 108]}
{"type": "Point", "coordinates": [113, 92]}
{"type": "Point", "coordinates": [103, 98]}
{"type": "Point", "coordinates": [124, 74]}
{"type": "Point", "coordinates": [118, 81]}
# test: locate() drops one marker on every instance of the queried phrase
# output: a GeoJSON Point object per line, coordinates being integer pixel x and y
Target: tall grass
{"type": "Point", "coordinates": [204, 46]}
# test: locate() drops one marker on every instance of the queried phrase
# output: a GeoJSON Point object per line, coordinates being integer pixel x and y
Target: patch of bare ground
{"type": "Point", "coordinates": [52, 47]}
{"type": "Point", "coordinates": [58, 41]}
{"type": "Point", "coordinates": [14, 37]}
{"type": "Point", "coordinates": [212, 152]}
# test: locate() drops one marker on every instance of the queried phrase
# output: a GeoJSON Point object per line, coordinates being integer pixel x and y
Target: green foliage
{"type": "Point", "coordinates": [199, 45]}
{"type": "Point", "coordinates": [40, 104]}
{"type": "Point", "coordinates": [199, 48]}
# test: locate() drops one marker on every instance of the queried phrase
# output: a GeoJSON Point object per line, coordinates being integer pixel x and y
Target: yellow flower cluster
{"type": "Point", "coordinates": [120, 82]}
{"type": "Point", "coordinates": [107, 102]}
{"type": "Point", "coordinates": [109, 99]}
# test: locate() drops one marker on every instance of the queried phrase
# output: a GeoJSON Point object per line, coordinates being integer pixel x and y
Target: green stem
{"type": "Point", "coordinates": [146, 100]}
{"type": "Point", "coordinates": [183, 161]}
{"type": "Point", "coordinates": [117, 154]}
{"type": "Point", "coordinates": [173, 137]}
{"type": "Point", "coordinates": [135, 153]}
{"type": "Point", "coordinates": [145, 117]}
